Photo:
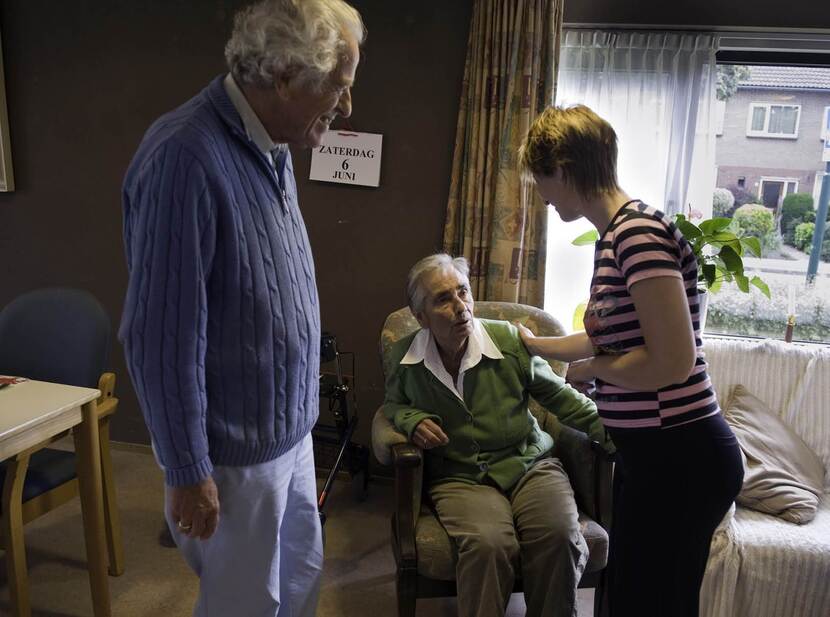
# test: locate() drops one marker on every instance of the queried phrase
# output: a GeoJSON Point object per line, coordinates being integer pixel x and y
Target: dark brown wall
{"type": "Point", "coordinates": [366, 239]}
{"type": "Point", "coordinates": [84, 82]}
{"type": "Point", "coordinates": [85, 79]}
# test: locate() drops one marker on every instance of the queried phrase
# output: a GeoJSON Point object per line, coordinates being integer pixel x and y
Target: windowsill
{"type": "Point", "coordinates": [771, 136]}
{"type": "Point", "coordinates": [736, 337]}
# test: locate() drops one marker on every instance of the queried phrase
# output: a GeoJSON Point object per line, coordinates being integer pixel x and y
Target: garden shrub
{"type": "Point", "coordinates": [803, 236]}
{"type": "Point", "coordinates": [722, 202]}
{"type": "Point", "coordinates": [795, 207]}
{"type": "Point", "coordinates": [756, 220]}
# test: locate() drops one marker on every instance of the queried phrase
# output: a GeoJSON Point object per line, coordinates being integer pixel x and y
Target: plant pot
{"type": "Point", "coordinates": [703, 307]}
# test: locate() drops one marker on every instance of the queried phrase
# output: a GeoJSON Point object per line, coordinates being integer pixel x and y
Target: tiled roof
{"type": "Point", "coordinates": [787, 77]}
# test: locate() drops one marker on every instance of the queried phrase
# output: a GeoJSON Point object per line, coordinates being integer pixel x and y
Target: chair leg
{"type": "Point", "coordinates": [601, 607]}
{"type": "Point", "coordinates": [112, 519]}
{"type": "Point", "coordinates": [405, 584]}
{"type": "Point", "coordinates": [12, 522]}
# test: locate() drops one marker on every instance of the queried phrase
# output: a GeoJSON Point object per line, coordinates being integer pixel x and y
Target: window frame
{"type": "Point", "coordinates": [753, 105]}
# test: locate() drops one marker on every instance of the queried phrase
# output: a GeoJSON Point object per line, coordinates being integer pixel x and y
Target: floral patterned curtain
{"type": "Point", "coordinates": [494, 219]}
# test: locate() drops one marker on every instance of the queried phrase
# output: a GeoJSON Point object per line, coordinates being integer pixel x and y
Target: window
{"type": "Point", "coordinates": [648, 86]}
{"type": "Point", "coordinates": [757, 97]}
{"type": "Point", "coordinates": [783, 176]}
{"type": "Point", "coordinates": [770, 120]}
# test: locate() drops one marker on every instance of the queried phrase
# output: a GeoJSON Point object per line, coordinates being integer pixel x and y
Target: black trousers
{"type": "Point", "coordinates": [672, 487]}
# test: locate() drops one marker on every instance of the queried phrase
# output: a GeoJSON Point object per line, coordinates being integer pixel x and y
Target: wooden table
{"type": "Point", "coordinates": [31, 414]}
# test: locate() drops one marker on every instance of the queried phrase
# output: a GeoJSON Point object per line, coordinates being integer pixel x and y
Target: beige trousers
{"type": "Point", "coordinates": [533, 531]}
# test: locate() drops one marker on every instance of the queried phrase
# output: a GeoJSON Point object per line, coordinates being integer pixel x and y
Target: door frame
{"type": "Point", "coordinates": [783, 194]}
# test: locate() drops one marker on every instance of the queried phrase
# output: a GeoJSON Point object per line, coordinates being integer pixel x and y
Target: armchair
{"type": "Point", "coordinates": [62, 336]}
{"type": "Point", "coordinates": [424, 554]}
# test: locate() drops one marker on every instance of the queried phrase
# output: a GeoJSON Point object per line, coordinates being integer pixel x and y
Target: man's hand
{"type": "Point", "coordinates": [428, 434]}
{"type": "Point", "coordinates": [586, 388]}
{"type": "Point", "coordinates": [581, 371]}
{"type": "Point", "coordinates": [196, 508]}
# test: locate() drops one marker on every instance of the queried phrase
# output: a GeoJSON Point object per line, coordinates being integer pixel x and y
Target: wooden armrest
{"type": "Point", "coordinates": [106, 403]}
{"type": "Point", "coordinates": [407, 460]}
{"type": "Point", "coordinates": [589, 470]}
{"type": "Point", "coordinates": [406, 455]}
{"type": "Point", "coordinates": [603, 485]}
{"type": "Point", "coordinates": [106, 384]}
{"type": "Point", "coordinates": [385, 437]}
{"type": "Point", "coordinates": [602, 453]}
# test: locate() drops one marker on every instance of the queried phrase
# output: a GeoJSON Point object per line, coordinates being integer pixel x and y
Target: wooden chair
{"type": "Point", "coordinates": [62, 336]}
{"type": "Point", "coordinates": [424, 554]}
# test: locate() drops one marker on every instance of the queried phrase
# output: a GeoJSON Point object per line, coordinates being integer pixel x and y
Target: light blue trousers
{"type": "Point", "coordinates": [266, 557]}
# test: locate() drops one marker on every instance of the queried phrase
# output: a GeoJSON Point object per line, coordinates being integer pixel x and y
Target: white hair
{"type": "Point", "coordinates": [306, 35]}
{"type": "Point", "coordinates": [416, 293]}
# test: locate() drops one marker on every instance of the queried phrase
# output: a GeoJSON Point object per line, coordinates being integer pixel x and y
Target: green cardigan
{"type": "Point", "coordinates": [492, 434]}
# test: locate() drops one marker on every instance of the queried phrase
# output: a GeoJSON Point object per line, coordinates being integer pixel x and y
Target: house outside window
{"type": "Point", "coordinates": [782, 173]}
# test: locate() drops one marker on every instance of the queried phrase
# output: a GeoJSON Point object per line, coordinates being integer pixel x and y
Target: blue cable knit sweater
{"type": "Point", "coordinates": [221, 322]}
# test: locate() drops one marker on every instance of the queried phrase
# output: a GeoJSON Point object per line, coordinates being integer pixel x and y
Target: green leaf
{"type": "Point", "coordinates": [689, 230]}
{"type": "Point", "coordinates": [753, 244]}
{"type": "Point", "coordinates": [724, 275]}
{"type": "Point", "coordinates": [725, 237]}
{"type": "Point", "coordinates": [579, 314]}
{"type": "Point", "coordinates": [731, 260]}
{"type": "Point", "coordinates": [715, 225]}
{"type": "Point", "coordinates": [742, 282]}
{"type": "Point", "coordinates": [589, 237]}
{"type": "Point", "coordinates": [761, 285]}
{"type": "Point", "coordinates": [715, 287]}
{"type": "Point", "coordinates": [709, 272]}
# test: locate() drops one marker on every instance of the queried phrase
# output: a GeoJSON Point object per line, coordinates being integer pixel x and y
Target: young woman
{"type": "Point", "coordinates": [678, 464]}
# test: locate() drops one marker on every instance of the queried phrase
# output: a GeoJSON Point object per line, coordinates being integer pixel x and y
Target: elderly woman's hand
{"type": "Point", "coordinates": [429, 435]}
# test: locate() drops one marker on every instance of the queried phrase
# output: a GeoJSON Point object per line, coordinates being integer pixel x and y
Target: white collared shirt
{"type": "Point", "coordinates": [424, 349]}
{"type": "Point", "coordinates": [254, 128]}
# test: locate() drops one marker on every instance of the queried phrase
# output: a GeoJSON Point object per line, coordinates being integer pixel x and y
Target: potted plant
{"type": "Point", "coordinates": [719, 253]}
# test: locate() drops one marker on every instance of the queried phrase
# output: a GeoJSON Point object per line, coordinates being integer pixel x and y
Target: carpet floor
{"type": "Point", "coordinates": [358, 577]}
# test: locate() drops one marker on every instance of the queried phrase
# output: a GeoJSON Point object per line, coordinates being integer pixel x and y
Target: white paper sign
{"type": "Point", "coordinates": [348, 158]}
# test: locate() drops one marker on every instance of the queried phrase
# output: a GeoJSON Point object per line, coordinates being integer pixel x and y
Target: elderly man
{"type": "Point", "coordinates": [221, 320]}
{"type": "Point", "coordinates": [460, 391]}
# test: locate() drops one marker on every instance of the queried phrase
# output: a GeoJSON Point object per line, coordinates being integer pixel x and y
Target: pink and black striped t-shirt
{"type": "Point", "coordinates": [641, 243]}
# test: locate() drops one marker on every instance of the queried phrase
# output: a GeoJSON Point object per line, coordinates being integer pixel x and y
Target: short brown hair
{"type": "Point", "coordinates": [577, 141]}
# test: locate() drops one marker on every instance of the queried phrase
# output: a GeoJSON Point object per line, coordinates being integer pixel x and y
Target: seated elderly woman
{"type": "Point", "coordinates": [460, 391]}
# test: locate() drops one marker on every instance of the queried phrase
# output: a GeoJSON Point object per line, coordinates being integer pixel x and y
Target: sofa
{"type": "Point", "coordinates": [761, 565]}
